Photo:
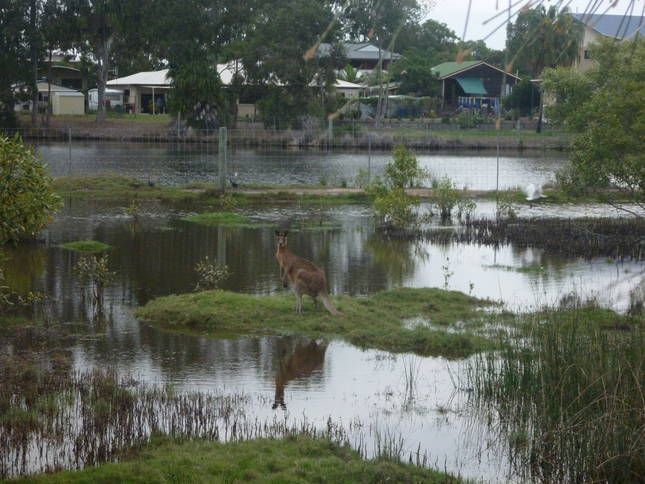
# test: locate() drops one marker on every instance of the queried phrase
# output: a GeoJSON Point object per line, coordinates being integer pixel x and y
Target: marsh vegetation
{"type": "Point", "coordinates": [569, 396]}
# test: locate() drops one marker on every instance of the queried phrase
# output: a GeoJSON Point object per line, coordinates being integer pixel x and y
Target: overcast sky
{"type": "Point", "coordinates": [453, 14]}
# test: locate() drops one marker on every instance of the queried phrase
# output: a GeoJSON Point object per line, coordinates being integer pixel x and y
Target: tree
{"type": "Point", "coordinates": [281, 54]}
{"type": "Point", "coordinates": [603, 109]}
{"type": "Point", "coordinates": [525, 98]}
{"type": "Point", "coordinates": [27, 201]}
{"type": "Point", "coordinates": [432, 37]}
{"type": "Point", "coordinates": [423, 46]}
{"type": "Point", "coordinates": [193, 36]}
{"type": "Point", "coordinates": [381, 22]}
{"type": "Point", "coordinates": [542, 38]}
{"type": "Point", "coordinates": [57, 30]}
{"type": "Point", "coordinates": [478, 50]}
{"type": "Point", "coordinates": [415, 76]}
{"type": "Point", "coordinates": [14, 55]}
{"type": "Point", "coordinates": [102, 24]}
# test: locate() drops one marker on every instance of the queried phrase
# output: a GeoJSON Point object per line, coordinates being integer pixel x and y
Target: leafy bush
{"type": "Point", "coordinates": [392, 205]}
{"type": "Point", "coordinates": [469, 119]}
{"type": "Point", "coordinates": [603, 110]}
{"type": "Point", "coordinates": [27, 201]}
{"type": "Point", "coordinates": [94, 275]}
{"type": "Point", "coordinates": [210, 274]}
{"type": "Point", "coordinates": [506, 206]}
{"type": "Point", "coordinates": [404, 170]}
{"type": "Point", "coordinates": [465, 207]}
{"type": "Point", "coordinates": [395, 208]}
{"type": "Point", "coordinates": [11, 300]}
{"type": "Point", "coordinates": [446, 197]}
{"type": "Point", "coordinates": [362, 179]}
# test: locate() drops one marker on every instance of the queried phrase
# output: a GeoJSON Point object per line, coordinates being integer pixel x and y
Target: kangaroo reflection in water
{"type": "Point", "coordinates": [306, 359]}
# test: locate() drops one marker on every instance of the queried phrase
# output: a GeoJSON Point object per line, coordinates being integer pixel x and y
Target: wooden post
{"type": "Point", "coordinates": [69, 151]}
{"type": "Point", "coordinates": [221, 158]}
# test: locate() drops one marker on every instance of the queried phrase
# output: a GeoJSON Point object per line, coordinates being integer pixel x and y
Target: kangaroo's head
{"type": "Point", "coordinates": [281, 238]}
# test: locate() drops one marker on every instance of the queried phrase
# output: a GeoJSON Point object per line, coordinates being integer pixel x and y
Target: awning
{"type": "Point", "coordinates": [472, 85]}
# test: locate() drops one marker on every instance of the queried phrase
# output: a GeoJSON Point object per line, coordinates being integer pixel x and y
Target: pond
{"type": "Point", "coordinates": [368, 392]}
{"type": "Point", "coordinates": [173, 164]}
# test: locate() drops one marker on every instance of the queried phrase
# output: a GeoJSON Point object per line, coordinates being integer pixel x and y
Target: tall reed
{"type": "Point", "coordinates": [569, 398]}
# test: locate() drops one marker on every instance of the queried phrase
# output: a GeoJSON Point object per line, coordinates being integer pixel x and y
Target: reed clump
{"type": "Point", "coordinates": [619, 239]}
{"type": "Point", "coordinates": [569, 398]}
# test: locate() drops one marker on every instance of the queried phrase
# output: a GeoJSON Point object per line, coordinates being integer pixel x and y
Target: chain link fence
{"type": "Point", "coordinates": [346, 154]}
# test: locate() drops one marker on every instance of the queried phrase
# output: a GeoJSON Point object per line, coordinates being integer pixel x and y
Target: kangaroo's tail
{"type": "Point", "coordinates": [324, 297]}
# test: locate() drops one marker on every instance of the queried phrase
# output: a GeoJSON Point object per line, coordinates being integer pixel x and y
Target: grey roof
{"type": "Point", "coordinates": [360, 51]}
{"type": "Point", "coordinates": [614, 26]}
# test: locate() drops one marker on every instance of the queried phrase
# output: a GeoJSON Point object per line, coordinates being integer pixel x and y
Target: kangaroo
{"type": "Point", "coordinates": [304, 276]}
{"type": "Point", "coordinates": [303, 363]}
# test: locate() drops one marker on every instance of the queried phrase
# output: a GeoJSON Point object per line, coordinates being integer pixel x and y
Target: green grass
{"type": "Point", "coordinates": [119, 188]}
{"type": "Point", "coordinates": [557, 196]}
{"type": "Point", "coordinates": [115, 187]}
{"type": "Point", "coordinates": [133, 118]}
{"type": "Point", "coordinates": [378, 321]}
{"type": "Point", "coordinates": [572, 389]}
{"type": "Point", "coordinates": [292, 460]}
{"type": "Point", "coordinates": [86, 246]}
{"type": "Point", "coordinates": [504, 133]}
{"type": "Point", "coordinates": [530, 269]}
{"type": "Point", "coordinates": [224, 219]}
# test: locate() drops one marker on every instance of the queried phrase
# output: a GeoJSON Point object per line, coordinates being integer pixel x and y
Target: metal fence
{"type": "Point", "coordinates": [343, 155]}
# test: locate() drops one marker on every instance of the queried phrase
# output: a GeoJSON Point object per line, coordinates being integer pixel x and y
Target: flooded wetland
{"type": "Point", "coordinates": [90, 378]}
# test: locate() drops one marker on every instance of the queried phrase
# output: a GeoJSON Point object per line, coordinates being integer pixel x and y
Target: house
{"type": "Point", "coordinates": [63, 99]}
{"type": "Point", "coordinates": [65, 76]}
{"type": "Point", "coordinates": [473, 84]}
{"type": "Point", "coordinates": [112, 98]}
{"type": "Point", "coordinates": [362, 56]}
{"type": "Point", "coordinates": [605, 26]}
{"type": "Point", "coordinates": [144, 92]}
{"type": "Point", "coordinates": [348, 89]}
{"type": "Point", "coordinates": [141, 88]}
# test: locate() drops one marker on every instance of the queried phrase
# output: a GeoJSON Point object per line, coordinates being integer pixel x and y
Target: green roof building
{"type": "Point", "coordinates": [473, 84]}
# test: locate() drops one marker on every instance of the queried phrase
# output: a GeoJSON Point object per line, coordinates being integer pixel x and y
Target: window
{"type": "Point", "coordinates": [587, 54]}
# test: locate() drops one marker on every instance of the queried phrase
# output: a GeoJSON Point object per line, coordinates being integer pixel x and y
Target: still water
{"type": "Point", "coordinates": [185, 163]}
{"type": "Point", "coordinates": [294, 378]}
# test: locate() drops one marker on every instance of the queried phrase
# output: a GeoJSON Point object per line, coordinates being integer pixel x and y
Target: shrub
{"type": "Point", "coordinates": [395, 208]}
{"type": "Point", "coordinates": [210, 274]}
{"type": "Point", "coordinates": [27, 201]}
{"type": "Point", "coordinates": [11, 300]}
{"type": "Point", "coordinates": [465, 208]}
{"type": "Point", "coordinates": [404, 170]}
{"type": "Point", "coordinates": [362, 179]}
{"type": "Point", "coordinates": [469, 119]}
{"type": "Point", "coordinates": [94, 275]}
{"type": "Point", "coordinates": [506, 206]}
{"type": "Point", "coordinates": [392, 205]}
{"type": "Point", "coordinates": [446, 197]}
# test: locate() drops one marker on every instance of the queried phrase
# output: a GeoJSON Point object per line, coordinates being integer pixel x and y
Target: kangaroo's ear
{"type": "Point", "coordinates": [285, 233]}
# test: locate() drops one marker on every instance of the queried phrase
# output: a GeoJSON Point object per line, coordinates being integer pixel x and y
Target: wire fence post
{"type": "Point", "coordinates": [221, 159]}
{"type": "Point", "coordinates": [330, 132]}
{"type": "Point", "coordinates": [369, 157]}
{"type": "Point", "coordinates": [69, 151]}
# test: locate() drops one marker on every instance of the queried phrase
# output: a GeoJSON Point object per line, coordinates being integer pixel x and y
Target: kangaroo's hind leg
{"type": "Point", "coordinates": [298, 300]}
